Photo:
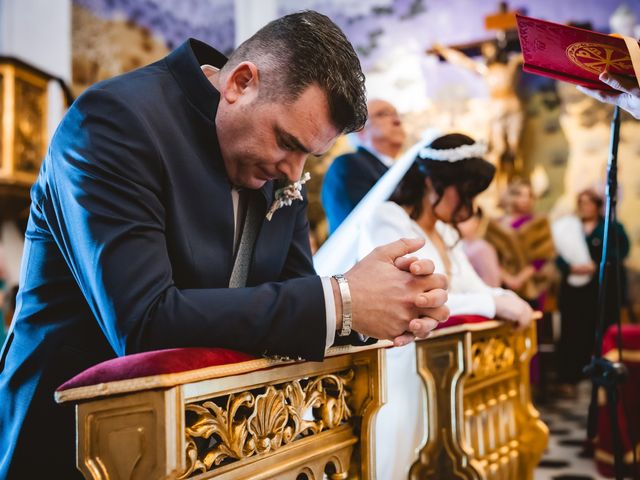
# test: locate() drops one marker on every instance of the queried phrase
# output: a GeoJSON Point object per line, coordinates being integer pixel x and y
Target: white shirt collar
{"type": "Point", "coordinates": [386, 160]}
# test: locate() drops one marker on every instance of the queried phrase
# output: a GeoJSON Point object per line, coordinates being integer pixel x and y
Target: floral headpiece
{"type": "Point", "coordinates": [462, 152]}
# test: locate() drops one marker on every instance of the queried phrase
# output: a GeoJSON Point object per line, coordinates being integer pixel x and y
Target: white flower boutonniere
{"type": "Point", "coordinates": [287, 194]}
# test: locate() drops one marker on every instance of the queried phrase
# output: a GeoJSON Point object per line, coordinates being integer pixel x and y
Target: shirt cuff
{"type": "Point", "coordinates": [330, 309]}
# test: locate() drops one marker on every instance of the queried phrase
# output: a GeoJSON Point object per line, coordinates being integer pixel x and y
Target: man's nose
{"type": "Point", "coordinates": [292, 165]}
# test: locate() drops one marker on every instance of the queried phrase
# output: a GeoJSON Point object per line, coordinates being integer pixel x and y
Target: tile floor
{"type": "Point", "coordinates": [567, 422]}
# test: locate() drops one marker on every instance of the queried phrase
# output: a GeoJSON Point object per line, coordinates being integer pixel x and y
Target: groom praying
{"type": "Point", "coordinates": [147, 228]}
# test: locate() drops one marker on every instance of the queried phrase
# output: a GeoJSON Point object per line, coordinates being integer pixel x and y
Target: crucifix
{"type": "Point", "coordinates": [499, 69]}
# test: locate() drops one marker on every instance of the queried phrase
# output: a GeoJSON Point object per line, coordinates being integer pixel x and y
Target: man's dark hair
{"type": "Point", "coordinates": [470, 176]}
{"type": "Point", "coordinates": [306, 48]}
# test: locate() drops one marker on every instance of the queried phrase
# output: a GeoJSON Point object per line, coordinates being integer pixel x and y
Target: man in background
{"type": "Point", "coordinates": [352, 175]}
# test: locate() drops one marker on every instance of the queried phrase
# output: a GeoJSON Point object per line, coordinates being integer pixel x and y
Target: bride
{"type": "Point", "coordinates": [435, 194]}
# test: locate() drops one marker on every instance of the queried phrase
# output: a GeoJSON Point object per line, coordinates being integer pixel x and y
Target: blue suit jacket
{"type": "Point", "coordinates": [348, 180]}
{"type": "Point", "coordinates": [129, 248]}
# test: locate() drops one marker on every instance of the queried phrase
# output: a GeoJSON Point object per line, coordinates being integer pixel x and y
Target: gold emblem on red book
{"type": "Point", "coordinates": [596, 57]}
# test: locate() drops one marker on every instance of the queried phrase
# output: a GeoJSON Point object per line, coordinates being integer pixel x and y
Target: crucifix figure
{"type": "Point", "coordinates": [499, 71]}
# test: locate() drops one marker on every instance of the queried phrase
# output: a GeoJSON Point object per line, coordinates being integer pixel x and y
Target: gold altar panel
{"type": "Point", "coordinates": [23, 138]}
{"type": "Point", "coordinates": [24, 123]}
{"type": "Point", "coordinates": [30, 126]}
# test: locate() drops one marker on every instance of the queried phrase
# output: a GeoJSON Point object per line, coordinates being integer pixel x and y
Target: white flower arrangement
{"type": "Point", "coordinates": [285, 196]}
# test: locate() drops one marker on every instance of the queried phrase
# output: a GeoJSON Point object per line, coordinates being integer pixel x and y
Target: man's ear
{"type": "Point", "coordinates": [242, 80]}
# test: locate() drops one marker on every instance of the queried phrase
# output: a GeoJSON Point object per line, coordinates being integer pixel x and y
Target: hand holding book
{"type": "Point", "coordinates": [605, 67]}
{"type": "Point", "coordinates": [626, 96]}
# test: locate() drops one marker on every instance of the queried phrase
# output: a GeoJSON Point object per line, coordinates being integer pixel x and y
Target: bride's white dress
{"type": "Point", "coordinates": [400, 423]}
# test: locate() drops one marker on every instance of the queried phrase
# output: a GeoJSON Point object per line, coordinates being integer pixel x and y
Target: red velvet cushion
{"type": "Point", "coordinates": [460, 319]}
{"type": "Point", "coordinates": [630, 338]}
{"type": "Point", "coordinates": [176, 360]}
{"type": "Point", "coordinates": [158, 362]}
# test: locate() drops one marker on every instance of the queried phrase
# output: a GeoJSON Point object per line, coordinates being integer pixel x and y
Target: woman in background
{"type": "Point", "coordinates": [578, 300]}
{"type": "Point", "coordinates": [432, 198]}
{"type": "Point", "coordinates": [481, 254]}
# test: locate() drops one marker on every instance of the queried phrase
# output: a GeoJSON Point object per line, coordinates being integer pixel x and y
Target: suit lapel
{"type": "Point", "coordinates": [373, 161]}
{"type": "Point", "coordinates": [268, 254]}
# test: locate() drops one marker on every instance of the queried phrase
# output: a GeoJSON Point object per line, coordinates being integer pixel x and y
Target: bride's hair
{"type": "Point", "coordinates": [470, 176]}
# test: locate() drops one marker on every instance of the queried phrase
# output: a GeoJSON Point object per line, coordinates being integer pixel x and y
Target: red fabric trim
{"type": "Point", "coordinates": [460, 319]}
{"type": "Point", "coordinates": [158, 362]}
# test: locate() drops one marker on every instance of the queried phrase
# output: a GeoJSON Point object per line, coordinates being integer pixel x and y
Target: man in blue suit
{"type": "Point", "coordinates": [351, 176]}
{"type": "Point", "coordinates": [147, 228]}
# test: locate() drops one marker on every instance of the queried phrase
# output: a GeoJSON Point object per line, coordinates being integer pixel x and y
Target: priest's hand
{"type": "Point", "coordinates": [396, 298]}
{"type": "Point", "coordinates": [627, 96]}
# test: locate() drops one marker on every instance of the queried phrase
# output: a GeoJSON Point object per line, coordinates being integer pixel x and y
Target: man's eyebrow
{"type": "Point", "coordinates": [287, 137]}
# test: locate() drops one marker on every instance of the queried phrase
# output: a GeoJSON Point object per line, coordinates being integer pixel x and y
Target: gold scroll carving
{"type": "Point", "coordinates": [247, 423]}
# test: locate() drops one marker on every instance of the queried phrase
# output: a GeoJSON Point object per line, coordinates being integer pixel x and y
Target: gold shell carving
{"type": "Point", "coordinates": [254, 423]}
{"type": "Point", "coordinates": [268, 421]}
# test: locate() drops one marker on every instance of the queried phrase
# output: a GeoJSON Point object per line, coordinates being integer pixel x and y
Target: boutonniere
{"type": "Point", "coordinates": [286, 195]}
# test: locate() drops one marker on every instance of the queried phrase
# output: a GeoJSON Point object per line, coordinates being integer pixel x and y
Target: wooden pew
{"type": "Point", "coordinates": [481, 422]}
{"type": "Point", "coordinates": [260, 419]}
{"type": "Point", "coordinates": [266, 418]}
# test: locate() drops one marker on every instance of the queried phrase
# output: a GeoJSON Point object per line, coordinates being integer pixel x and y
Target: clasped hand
{"type": "Point", "coordinates": [396, 297]}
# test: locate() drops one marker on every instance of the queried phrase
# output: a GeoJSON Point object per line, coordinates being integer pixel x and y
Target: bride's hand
{"type": "Point", "coordinates": [511, 307]}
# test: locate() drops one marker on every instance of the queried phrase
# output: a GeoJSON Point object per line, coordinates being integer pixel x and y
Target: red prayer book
{"type": "Point", "coordinates": [571, 54]}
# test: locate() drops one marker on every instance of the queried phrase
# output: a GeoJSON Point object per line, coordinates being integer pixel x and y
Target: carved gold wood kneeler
{"type": "Point", "coordinates": [262, 419]}
{"type": "Point", "coordinates": [481, 422]}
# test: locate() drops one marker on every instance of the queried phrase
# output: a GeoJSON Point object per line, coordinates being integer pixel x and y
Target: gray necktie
{"type": "Point", "coordinates": [252, 222]}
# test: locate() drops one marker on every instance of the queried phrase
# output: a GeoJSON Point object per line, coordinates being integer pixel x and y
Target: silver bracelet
{"type": "Point", "coordinates": [345, 294]}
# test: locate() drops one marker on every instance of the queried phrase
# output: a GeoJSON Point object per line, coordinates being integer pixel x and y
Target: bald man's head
{"type": "Point", "coordinates": [383, 130]}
